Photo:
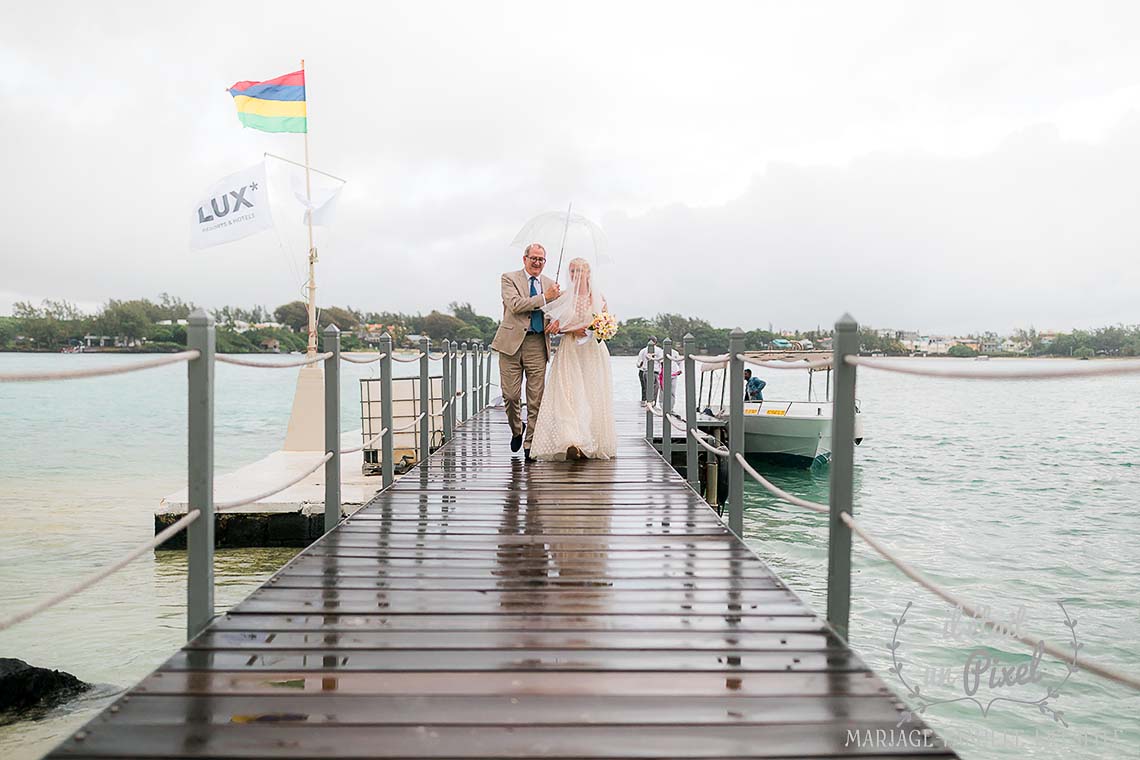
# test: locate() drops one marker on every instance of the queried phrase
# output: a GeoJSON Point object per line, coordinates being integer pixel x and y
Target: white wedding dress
{"type": "Point", "coordinates": [578, 404]}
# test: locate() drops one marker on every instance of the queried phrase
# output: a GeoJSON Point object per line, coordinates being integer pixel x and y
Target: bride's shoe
{"type": "Point", "coordinates": [574, 453]}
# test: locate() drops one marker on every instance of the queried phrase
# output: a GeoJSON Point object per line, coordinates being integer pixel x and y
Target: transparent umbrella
{"type": "Point", "coordinates": [564, 231]}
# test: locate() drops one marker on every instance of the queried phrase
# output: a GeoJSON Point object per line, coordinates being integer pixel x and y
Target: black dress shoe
{"type": "Point", "coordinates": [527, 457]}
{"type": "Point", "coordinates": [516, 440]}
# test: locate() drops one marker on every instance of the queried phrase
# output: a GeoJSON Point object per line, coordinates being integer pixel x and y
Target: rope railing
{"type": "Point", "coordinates": [101, 574]}
{"type": "Point", "coordinates": [77, 374]}
{"type": "Point", "coordinates": [408, 359]}
{"type": "Point", "coordinates": [410, 425]}
{"type": "Point", "coordinates": [1033, 641]}
{"type": "Point", "coordinates": [220, 506]}
{"type": "Point", "coordinates": [314, 359]}
{"type": "Point", "coordinates": [369, 360]}
{"type": "Point", "coordinates": [995, 371]}
{"type": "Point", "coordinates": [700, 437]}
{"type": "Point", "coordinates": [786, 363]}
{"type": "Point", "coordinates": [779, 492]}
{"type": "Point", "coordinates": [707, 359]}
{"type": "Point", "coordinates": [437, 357]}
{"type": "Point", "coordinates": [366, 444]}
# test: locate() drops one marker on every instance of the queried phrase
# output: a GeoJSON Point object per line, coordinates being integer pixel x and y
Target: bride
{"type": "Point", "coordinates": [577, 415]}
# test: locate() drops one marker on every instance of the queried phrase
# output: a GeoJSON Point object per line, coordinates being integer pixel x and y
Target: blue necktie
{"type": "Point", "coordinates": [536, 315]}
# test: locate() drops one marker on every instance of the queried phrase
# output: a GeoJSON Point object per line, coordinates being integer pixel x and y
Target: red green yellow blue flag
{"type": "Point", "coordinates": [275, 105]}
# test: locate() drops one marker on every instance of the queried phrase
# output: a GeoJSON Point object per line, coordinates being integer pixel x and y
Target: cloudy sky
{"type": "Point", "coordinates": [936, 166]}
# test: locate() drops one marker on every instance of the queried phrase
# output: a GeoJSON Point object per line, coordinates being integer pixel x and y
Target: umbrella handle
{"type": "Point", "coordinates": [562, 248]}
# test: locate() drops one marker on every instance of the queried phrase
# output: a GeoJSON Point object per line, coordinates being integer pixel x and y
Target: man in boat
{"type": "Point", "coordinates": [643, 367]}
{"type": "Point", "coordinates": [753, 387]}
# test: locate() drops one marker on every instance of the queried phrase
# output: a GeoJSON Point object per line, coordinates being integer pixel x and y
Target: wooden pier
{"type": "Point", "coordinates": [484, 608]}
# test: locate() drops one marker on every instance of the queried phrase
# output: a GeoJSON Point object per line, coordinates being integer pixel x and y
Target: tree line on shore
{"type": "Point", "coordinates": [135, 325]}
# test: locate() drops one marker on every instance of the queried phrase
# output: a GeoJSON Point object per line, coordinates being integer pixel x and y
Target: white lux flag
{"type": "Point", "coordinates": [235, 207]}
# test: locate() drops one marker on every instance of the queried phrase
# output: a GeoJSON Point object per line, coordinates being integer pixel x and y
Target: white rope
{"type": "Point", "coordinates": [679, 423]}
{"type": "Point", "coordinates": [436, 357]}
{"type": "Point", "coordinates": [223, 505]}
{"type": "Point", "coordinates": [94, 578]}
{"type": "Point", "coordinates": [709, 359]}
{"type": "Point", "coordinates": [786, 363]}
{"type": "Point", "coordinates": [347, 358]}
{"type": "Point", "coordinates": [1043, 371]}
{"type": "Point", "coordinates": [366, 444]}
{"type": "Point", "coordinates": [410, 425]}
{"type": "Point", "coordinates": [274, 365]}
{"type": "Point", "coordinates": [33, 377]}
{"type": "Point", "coordinates": [699, 437]}
{"type": "Point", "coordinates": [974, 612]}
{"type": "Point", "coordinates": [653, 408]}
{"type": "Point", "coordinates": [413, 358]}
{"type": "Point", "coordinates": [779, 492]}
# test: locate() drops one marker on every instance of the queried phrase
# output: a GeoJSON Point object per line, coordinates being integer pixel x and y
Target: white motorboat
{"type": "Point", "coordinates": [794, 432]}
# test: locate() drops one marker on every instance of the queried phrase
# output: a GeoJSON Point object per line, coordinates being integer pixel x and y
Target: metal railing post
{"type": "Point", "coordinates": [200, 474]}
{"type": "Point", "coordinates": [387, 466]}
{"type": "Point", "coordinates": [667, 401]}
{"type": "Point", "coordinates": [453, 410]}
{"type": "Point", "coordinates": [425, 403]}
{"type": "Point", "coordinates": [842, 476]}
{"type": "Point", "coordinates": [446, 391]}
{"type": "Point", "coordinates": [463, 373]}
{"type": "Point", "coordinates": [691, 462]}
{"type": "Point", "coordinates": [485, 356]}
{"type": "Point", "coordinates": [735, 432]}
{"type": "Point", "coordinates": [649, 380]}
{"type": "Point", "coordinates": [332, 427]}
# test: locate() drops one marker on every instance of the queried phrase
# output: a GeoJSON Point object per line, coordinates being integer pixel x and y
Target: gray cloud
{"type": "Point", "coordinates": [963, 166]}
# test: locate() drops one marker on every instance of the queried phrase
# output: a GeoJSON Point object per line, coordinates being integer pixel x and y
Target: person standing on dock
{"type": "Point", "coordinates": [643, 367]}
{"type": "Point", "coordinates": [523, 343]}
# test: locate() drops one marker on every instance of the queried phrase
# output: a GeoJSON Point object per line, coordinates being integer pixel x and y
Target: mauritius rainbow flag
{"type": "Point", "coordinates": [275, 105]}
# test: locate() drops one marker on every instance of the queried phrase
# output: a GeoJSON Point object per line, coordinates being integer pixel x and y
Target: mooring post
{"type": "Point", "coordinates": [200, 473]}
{"type": "Point", "coordinates": [667, 402]}
{"type": "Point", "coordinates": [447, 392]}
{"type": "Point", "coordinates": [387, 466]}
{"type": "Point", "coordinates": [488, 358]}
{"type": "Point", "coordinates": [477, 377]}
{"type": "Point", "coordinates": [452, 410]}
{"type": "Point", "coordinates": [842, 476]}
{"type": "Point", "coordinates": [691, 462]}
{"type": "Point", "coordinates": [332, 427]}
{"type": "Point", "coordinates": [425, 403]}
{"type": "Point", "coordinates": [464, 387]}
{"type": "Point", "coordinates": [735, 432]}
{"type": "Point", "coordinates": [649, 381]}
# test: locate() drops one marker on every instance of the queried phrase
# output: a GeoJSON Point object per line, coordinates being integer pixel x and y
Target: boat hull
{"type": "Point", "coordinates": [796, 433]}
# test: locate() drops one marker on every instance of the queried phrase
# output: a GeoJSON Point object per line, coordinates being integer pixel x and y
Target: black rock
{"type": "Point", "coordinates": [24, 686]}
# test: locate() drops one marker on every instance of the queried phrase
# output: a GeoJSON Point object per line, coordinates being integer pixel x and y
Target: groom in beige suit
{"type": "Point", "coordinates": [523, 343]}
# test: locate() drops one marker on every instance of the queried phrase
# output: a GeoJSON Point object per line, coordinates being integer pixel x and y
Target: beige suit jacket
{"type": "Point", "coordinates": [518, 303]}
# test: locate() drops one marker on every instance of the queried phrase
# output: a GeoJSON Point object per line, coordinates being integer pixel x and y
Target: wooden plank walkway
{"type": "Point", "coordinates": [483, 608]}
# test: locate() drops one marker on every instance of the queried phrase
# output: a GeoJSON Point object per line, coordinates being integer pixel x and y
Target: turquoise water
{"type": "Point", "coordinates": [1015, 494]}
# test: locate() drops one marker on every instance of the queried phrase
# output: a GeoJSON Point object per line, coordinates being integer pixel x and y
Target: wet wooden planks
{"type": "Point", "coordinates": [484, 608]}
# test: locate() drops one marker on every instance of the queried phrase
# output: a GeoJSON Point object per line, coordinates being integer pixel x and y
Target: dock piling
{"type": "Point", "coordinates": [332, 426]}
{"type": "Point", "coordinates": [649, 382]}
{"type": "Point", "coordinates": [447, 391]}
{"type": "Point", "coordinates": [200, 336]}
{"type": "Point", "coordinates": [735, 432]}
{"type": "Point", "coordinates": [465, 387]}
{"type": "Point", "coordinates": [667, 401]}
{"type": "Point", "coordinates": [842, 476]}
{"type": "Point", "coordinates": [387, 466]}
{"type": "Point", "coordinates": [691, 473]}
{"type": "Point", "coordinates": [425, 402]}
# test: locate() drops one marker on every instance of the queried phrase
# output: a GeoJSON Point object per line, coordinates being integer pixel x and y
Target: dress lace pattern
{"type": "Point", "coordinates": [578, 405]}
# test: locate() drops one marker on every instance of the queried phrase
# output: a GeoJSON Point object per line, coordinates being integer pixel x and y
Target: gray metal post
{"type": "Point", "coordinates": [387, 466]}
{"type": "Point", "coordinates": [453, 410]}
{"type": "Point", "coordinates": [425, 403]}
{"type": "Point", "coordinates": [649, 379]}
{"type": "Point", "coordinates": [735, 432]}
{"type": "Point", "coordinates": [200, 474]}
{"type": "Point", "coordinates": [485, 357]}
{"type": "Point", "coordinates": [332, 427]}
{"type": "Point", "coordinates": [465, 387]}
{"type": "Point", "coordinates": [691, 462]}
{"type": "Point", "coordinates": [447, 393]}
{"type": "Point", "coordinates": [667, 401]}
{"type": "Point", "coordinates": [842, 476]}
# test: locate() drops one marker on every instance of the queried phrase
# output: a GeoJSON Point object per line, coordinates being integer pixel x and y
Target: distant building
{"type": "Point", "coordinates": [413, 340]}
{"type": "Point", "coordinates": [271, 344]}
{"type": "Point", "coordinates": [172, 322]}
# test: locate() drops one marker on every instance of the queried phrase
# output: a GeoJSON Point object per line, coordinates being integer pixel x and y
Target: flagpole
{"type": "Point", "coordinates": [312, 249]}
